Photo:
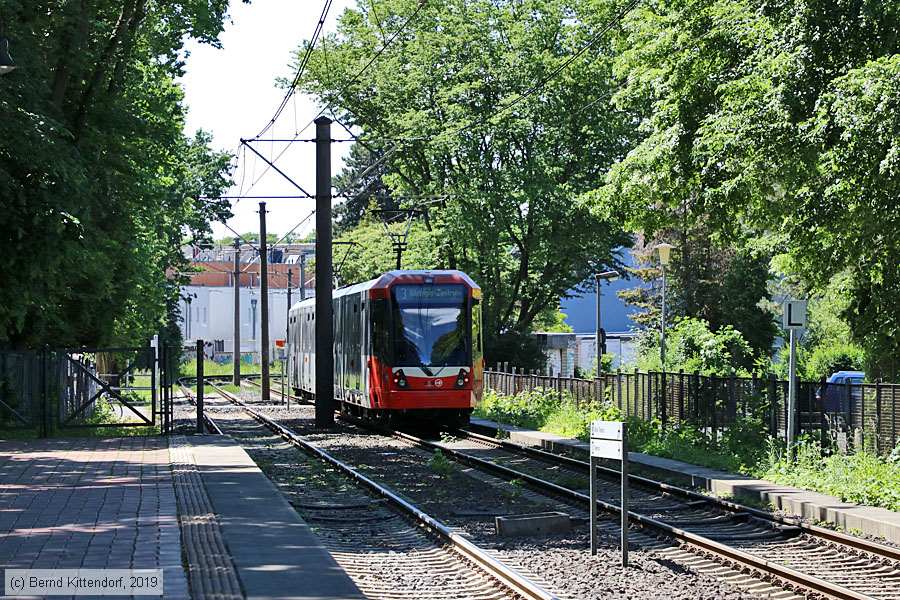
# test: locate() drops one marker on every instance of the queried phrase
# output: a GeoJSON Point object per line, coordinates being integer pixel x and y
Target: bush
{"type": "Point", "coordinates": [744, 447]}
{"type": "Point", "coordinates": [825, 360]}
{"type": "Point", "coordinates": [526, 409]}
{"type": "Point", "coordinates": [692, 346]}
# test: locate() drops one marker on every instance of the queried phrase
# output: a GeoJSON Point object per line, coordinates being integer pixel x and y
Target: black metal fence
{"type": "Point", "coordinates": [835, 413]}
{"type": "Point", "coordinates": [50, 390]}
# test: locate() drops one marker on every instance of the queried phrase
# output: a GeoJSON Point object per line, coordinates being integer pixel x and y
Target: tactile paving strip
{"type": "Point", "coordinates": [211, 571]}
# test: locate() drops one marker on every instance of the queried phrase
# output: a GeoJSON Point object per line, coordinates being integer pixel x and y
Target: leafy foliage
{"type": "Point", "coordinates": [692, 346]}
{"type": "Point", "coordinates": [773, 126]}
{"type": "Point", "coordinates": [98, 184]}
{"type": "Point", "coordinates": [371, 253]}
{"type": "Point", "coordinates": [362, 180]}
{"type": "Point", "coordinates": [511, 218]}
{"type": "Point", "coordinates": [744, 447]}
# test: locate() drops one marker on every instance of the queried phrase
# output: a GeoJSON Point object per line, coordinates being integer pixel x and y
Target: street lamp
{"type": "Point", "coordinates": [188, 298]}
{"type": "Point", "coordinates": [6, 61]}
{"type": "Point", "coordinates": [664, 250]}
{"type": "Point", "coordinates": [600, 340]}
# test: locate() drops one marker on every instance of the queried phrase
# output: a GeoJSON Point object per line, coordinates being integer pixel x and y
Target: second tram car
{"type": "Point", "coordinates": [406, 343]}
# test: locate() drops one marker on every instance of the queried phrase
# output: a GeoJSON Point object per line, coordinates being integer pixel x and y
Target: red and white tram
{"type": "Point", "coordinates": [406, 343]}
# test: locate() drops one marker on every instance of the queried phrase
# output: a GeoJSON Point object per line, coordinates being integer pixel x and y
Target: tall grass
{"type": "Point", "coordinates": [211, 368]}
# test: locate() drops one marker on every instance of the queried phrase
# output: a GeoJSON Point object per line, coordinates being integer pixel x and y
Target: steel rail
{"type": "Point", "coordinates": [830, 535]}
{"type": "Point", "coordinates": [490, 565]}
{"type": "Point", "coordinates": [783, 572]}
{"type": "Point", "coordinates": [211, 425]}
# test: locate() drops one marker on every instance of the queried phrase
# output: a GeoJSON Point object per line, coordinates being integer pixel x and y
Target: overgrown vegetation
{"type": "Point", "coordinates": [861, 477]}
{"type": "Point", "coordinates": [440, 464]}
{"type": "Point", "coordinates": [744, 448]}
{"type": "Point", "coordinates": [211, 368]}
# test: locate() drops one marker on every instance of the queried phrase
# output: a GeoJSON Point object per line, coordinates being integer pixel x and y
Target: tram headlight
{"type": "Point", "coordinates": [400, 379]}
{"type": "Point", "coordinates": [462, 378]}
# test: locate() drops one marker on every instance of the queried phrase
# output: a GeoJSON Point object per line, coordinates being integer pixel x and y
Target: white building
{"type": "Point", "coordinates": [209, 315]}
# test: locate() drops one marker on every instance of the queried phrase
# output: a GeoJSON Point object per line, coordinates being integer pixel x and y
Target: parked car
{"type": "Point", "coordinates": [834, 394]}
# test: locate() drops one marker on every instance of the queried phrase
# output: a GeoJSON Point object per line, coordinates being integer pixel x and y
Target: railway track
{"type": "Point", "coordinates": [380, 538]}
{"type": "Point", "coordinates": [815, 558]}
{"type": "Point", "coordinates": [808, 558]}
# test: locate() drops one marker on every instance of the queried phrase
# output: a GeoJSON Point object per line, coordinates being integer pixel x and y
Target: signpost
{"type": "Point", "coordinates": [609, 439]}
{"type": "Point", "coordinates": [793, 319]}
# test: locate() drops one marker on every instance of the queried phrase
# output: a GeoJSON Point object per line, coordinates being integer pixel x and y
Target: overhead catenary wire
{"type": "Point", "coordinates": [320, 25]}
{"type": "Point", "coordinates": [282, 238]}
{"type": "Point", "coordinates": [330, 105]}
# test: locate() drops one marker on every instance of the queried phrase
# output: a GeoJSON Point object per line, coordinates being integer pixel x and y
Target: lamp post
{"type": "Point", "coordinates": [664, 251]}
{"type": "Point", "coordinates": [188, 298]}
{"type": "Point", "coordinates": [600, 340]}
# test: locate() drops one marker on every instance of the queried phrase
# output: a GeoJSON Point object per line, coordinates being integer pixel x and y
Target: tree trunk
{"type": "Point", "coordinates": [73, 39]}
{"type": "Point", "coordinates": [102, 65]}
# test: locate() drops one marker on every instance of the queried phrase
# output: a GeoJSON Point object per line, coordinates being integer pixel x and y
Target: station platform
{"type": "Point", "coordinates": [196, 507]}
{"type": "Point", "coordinates": [869, 520]}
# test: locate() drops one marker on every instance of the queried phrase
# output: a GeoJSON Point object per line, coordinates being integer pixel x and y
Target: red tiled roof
{"type": "Point", "coordinates": [219, 274]}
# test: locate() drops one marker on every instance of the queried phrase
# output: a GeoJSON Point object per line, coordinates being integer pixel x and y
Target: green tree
{"type": "Point", "coordinates": [98, 183]}
{"type": "Point", "coordinates": [693, 346]}
{"type": "Point", "coordinates": [361, 179]}
{"type": "Point", "coordinates": [512, 178]}
{"type": "Point", "coordinates": [775, 127]}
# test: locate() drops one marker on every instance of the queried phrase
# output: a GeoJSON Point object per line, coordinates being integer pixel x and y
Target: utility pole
{"type": "Point", "coordinates": [236, 353]}
{"type": "Point", "coordinates": [324, 277]}
{"type": "Point", "coordinates": [285, 361]}
{"type": "Point", "coordinates": [264, 297]}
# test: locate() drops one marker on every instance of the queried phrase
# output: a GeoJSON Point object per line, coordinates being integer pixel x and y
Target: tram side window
{"type": "Point", "coordinates": [379, 316]}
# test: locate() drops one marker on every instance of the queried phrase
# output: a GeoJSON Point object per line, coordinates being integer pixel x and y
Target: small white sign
{"type": "Point", "coordinates": [606, 430]}
{"type": "Point", "coordinates": [794, 316]}
{"type": "Point", "coordinates": [606, 449]}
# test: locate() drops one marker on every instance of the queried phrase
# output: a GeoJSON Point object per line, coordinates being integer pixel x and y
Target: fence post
{"type": "Point", "coordinates": [877, 411]}
{"type": "Point", "coordinates": [699, 403]}
{"type": "Point", "coordinates": [618, 392]}
{"type": "Point", "coordinates": [637, 393]}
{"type": "Point", "coordinates": [773, 407]}
{"type": "Point", "coordinates": [664, 399]}
{"type": "Point", "coordinates": [199, 386]}
{"type": "Point", "coordinates": [559, 385]}
{"type": "Point", "coordinates": [862, 413]}
{"type": "Point", "coordinates": [680, 396]}
{"type": "Point", "coordinates": [894, 416]}
{"type": "Point", "coordinates": [45, 396]}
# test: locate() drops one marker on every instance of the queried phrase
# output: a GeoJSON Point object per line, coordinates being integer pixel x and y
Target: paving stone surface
{"type": "Point", "coordinates": [90, 503]}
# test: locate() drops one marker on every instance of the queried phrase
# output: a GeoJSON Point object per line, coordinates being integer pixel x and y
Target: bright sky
{"type": "Point", "coordinates": [232, 94]}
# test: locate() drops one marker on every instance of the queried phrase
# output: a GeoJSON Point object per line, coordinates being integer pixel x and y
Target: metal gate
{"type": "Point", "coordinates": [107, 387]}
{"type": "Point", "coordinates": [46, 391]}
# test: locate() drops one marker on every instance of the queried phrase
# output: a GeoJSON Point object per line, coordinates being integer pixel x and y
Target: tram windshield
{"type": "Point", "coordinates": [431, 326]}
